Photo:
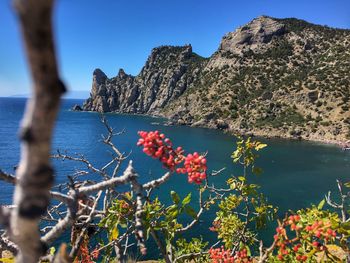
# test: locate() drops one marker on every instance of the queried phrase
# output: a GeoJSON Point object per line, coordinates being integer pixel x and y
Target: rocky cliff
{"type": "Point", "coordinates": [270, 77]}
{"type": "Point", "coordinates": [168, 72]}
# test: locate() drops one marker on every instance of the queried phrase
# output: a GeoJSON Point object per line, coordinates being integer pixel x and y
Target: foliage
{"type": "Point", "coordinates": [288, 116]}
{"type": "Point", "coordinates": [302, 236]}
{"type": "Point", "coordinates": [244, 205]}
{"type": "Point", "coordinates": [195, 248]}
{"type": "Point", "coordinates": [282, 50]}
{"type": "Point", "coordinates": [308, 235]}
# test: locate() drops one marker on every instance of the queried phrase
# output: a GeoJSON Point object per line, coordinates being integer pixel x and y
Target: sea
{"type": "Point", "coordinates": [295, 174]}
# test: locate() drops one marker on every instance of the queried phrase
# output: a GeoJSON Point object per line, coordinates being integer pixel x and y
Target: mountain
{"type": "Point", "coordinates": [270, 77]}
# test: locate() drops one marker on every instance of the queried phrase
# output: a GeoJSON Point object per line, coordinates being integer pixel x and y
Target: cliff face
{"type": "Point", "coordinates": [270, 77]}
{"type": "Point", "coordinates": [168, 72]}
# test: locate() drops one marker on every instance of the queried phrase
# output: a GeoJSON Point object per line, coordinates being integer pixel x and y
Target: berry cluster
{"type": "Point", "coordinates": [220, 255]}
{"type": "Point", "coordinates": [95, 253]}
{"type": "Point", "coordinates": [216, 226]}
{"type": "Point", "coordinates": [195, 166]}
{"type": "Point", "coordinates": [293, 222]}
{"type": "Point", "coordinates": [157, 146]}
{"type": "Point", "coordinates": [321, 230]}
{"type": "Point", "coordinates": [301, 245]}
{"type": "Point", "coordinates": [83, 254]}
{"type": "Point", "coordinates": [284, 244]}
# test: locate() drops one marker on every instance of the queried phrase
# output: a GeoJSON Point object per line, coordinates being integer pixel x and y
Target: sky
{"type": "Point", "coordinates": [113, 34]}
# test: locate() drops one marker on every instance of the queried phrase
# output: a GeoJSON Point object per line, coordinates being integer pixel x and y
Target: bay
{"type": "Point", "coordinates": [296, 173]}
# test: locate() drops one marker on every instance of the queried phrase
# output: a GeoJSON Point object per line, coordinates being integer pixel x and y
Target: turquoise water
{"type": "Point", "coordinates": [296, 173]}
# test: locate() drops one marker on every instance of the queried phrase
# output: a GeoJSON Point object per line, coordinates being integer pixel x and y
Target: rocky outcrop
{"type": "Point", "coordinates": [270, 77]}
{"type": "Point", "coordinates": [168, 72]}
{"type": "Point", "coordinates": [252, 36]}
{"type": "Point", "coordinates": [77, 107]}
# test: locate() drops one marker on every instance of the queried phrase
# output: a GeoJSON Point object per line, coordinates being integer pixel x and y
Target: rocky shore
{"type": "Point", "coordinates": [265, 133]}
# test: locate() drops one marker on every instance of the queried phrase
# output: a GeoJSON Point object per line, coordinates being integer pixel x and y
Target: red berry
{"type": "Point", "coordinates": [157, 146]}
{"type": "Point", "coordinates": [317, 234]}
{"type": "Point", "coordinates": [296, 218]}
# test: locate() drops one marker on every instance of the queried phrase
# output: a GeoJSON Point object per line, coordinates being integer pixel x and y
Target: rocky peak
{"type": "Point", "coordinates": [121, 74]}
{"type": "Point", "coordinates": [254, 34]}
{"type": "Point", "coordinates": [186, 51]}
{"type": "Point", "coordinates": [164, 54]}
{"type": "Point", "coordinates": [99, 77]}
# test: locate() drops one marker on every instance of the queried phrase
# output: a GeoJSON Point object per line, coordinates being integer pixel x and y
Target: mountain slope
{"type": "Point", "coordinates": [270, 77]}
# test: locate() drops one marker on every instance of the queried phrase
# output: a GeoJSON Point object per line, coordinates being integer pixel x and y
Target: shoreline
{"type": "Point", "coordinates": [343, 144]}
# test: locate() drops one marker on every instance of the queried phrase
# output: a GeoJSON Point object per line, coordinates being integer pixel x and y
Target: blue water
{"type": "Point", "coordinates": [296, 173]}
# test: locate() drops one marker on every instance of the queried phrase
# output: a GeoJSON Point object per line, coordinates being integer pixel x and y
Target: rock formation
{"type": "Point", "coordinates": [270, 77]}
{"type": "Point", "coordinates": [167, 73]}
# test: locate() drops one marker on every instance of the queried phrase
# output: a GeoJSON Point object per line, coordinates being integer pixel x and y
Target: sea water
{"type": "Point", "coordinates": [296, 173]}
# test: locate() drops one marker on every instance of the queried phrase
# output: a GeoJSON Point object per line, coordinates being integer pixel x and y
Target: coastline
{"type": "Point", "coordinates": [270, 134]}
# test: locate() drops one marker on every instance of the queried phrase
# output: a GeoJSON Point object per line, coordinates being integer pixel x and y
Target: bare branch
{"type": "Point", "coordinates": [108, 140]}
{"type": "Point", "coordinates": [55, 195]}
{"type": "Point", "coordinates": [61, 197]}
{"type": "Point", "coordinates": [8, 245]}
{"type": "Point", "coordinates": [199, 213]}
{"type": "Point", "coordinates": [264, 255]}
{"type": "Point", "coordinates": [9, 178]}
{"type": "Point", "coordinates": [79, 239]}
{"type": "Point", "coordinates": [127, 176]}
{"type": "Point", "coordinates": [343, 200]}
{"type": "Point", "coordinates": [157, 182]}
{"type": "Point", "coordinates": [137, 188]}
{"type": "Point", "coordinates": [81, 159]}
{"type": "Point", "coordinates": [58, 229]}
{"type": "Point", "coordinates": [215, 173]}
{"type": "Point", "coordinates": [190, 255]}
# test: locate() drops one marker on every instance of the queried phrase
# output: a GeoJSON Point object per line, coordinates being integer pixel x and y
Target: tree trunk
{"type": "Point", "coordinates": [35, 174]}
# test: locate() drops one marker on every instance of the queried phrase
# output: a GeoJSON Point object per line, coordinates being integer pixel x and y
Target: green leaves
{"type": "Point", "coordinates": [165, 219]}
{"type": "Point", "coordinates": [186, 200]}
{"type": "Point", "coordinates": [195, 245]}
{"type": "Point", "coordinates": [118, 217]}
{"type": "Point", "coordinates": [231, 228]}
{"type": "Point", "coordinates": [245, 153]}
{"type": "Point", "coordinates": [258, 146]}
{"type": "Point", "coordinates": [175, 197]}
{"type": "Point", "coordinates": [321, 204]}
{"type": "Point", "coordinates": [344, 228]}
{"type": "Point", "coordinates": [229, 203]}
{"type": "Point", "coordinates": [176, 209]}
{"type": "Point", "coordinates": [244, 204]}
{"type": "Point", "coordinates": [190, 211]}
{"type": "Point", "coordinates": [52, 251]}
{"type": "Point", "coordinates": [241, 178]}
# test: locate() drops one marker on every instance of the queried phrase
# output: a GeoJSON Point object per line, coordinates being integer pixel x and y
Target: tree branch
{"type": "Point", "coordinates": [34, 174]}
{"type": "Point", "coordinates": [127, 176]}
{"type": "Point", "coordinates": [8, 178]}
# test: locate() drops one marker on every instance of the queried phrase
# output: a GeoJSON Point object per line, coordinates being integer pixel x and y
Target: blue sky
{"type": "Point", "coordinates": [113, 34]}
